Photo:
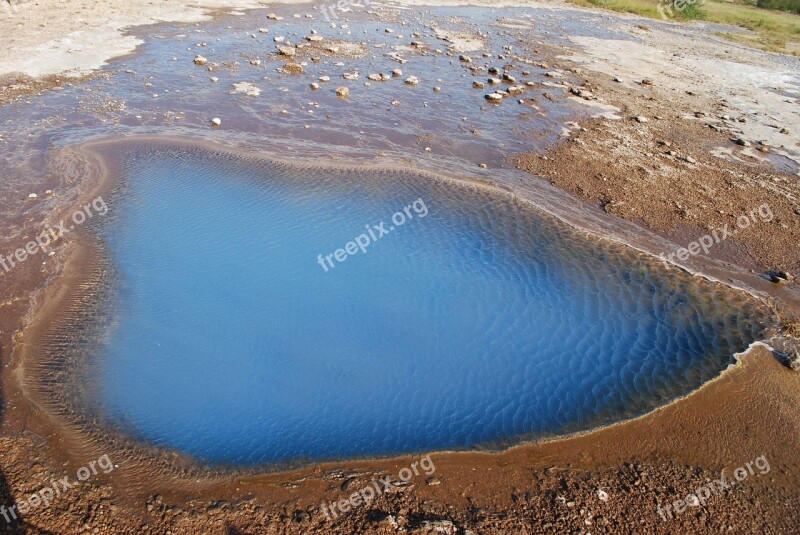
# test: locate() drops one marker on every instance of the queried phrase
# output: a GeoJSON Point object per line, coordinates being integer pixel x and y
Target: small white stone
{"type": "Point", "coordinates": [216, 121]}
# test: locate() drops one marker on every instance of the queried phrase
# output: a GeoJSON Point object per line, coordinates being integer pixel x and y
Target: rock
{"type": "Point", "coordinates": [412, 80]}
{"type": "Point", "coordinates": [324, 78]}
{"type": "Point", "coordinates": [33, 196]}
{"type": "Point", "coordinates": [478, 85]}
{"type": "Point", "coordinates": [797, 211]}
{"type": "Point", "coordinates": [247, 88]}
{"type": "Point", "coordinates": [397, 73]}
{"type": "Point", "coordinates": [553, 74]}
{"type": "Point", "coordinates": [314, 38]}
{"type": "Point", "coordinates": [647, 81]}
{"type": "Point", "coordinates": [350, 76]}
{"type": "Point", "coordinates": [784, 130]}
{"type": "Point", "coordinates": [279, 38]}
{"type": "Point", "coordinates": [273, 16]}
{"type": "Point", "coordinates": [482, 166]}
{"type": "Point", "coordinates": [263, 30]}
{"type": "Point", "coordinates": [255, 62]}
{"type": "Point", "coordinates": [342, 91]}
{"type": "Point", "coordinates": [301, 517]}
{"type": "Point", "coordinates": [214, 79]}
{"type": "Point", "coordinates": [493, 70]}
{"type": "Point", "coordinates": [436, 89]}
{"type": "Point", "coordinates": [293, 68]}
{"type": "Point", "coordinates": [780, 277]}
{"type": "Point", "coordinates": [494, 81]}
{"type": "Point", "coordinates": [465, 59]}
{"type": "Point", "coordinates": [516, 89]}
{"type": "Point", "coordinates": [385, 77]}
{"type": "Point", "coordinates": [494, 97]}
{"type": "Point", "coordinates": [699, 114]}
{"type": "Point", "coordinates": [741, 142]}
{"type": "Point", "coordinates": [687, 159]}
{"type": "Point", "coordinates": [200, 60]}
{"type": "Point", "coordinates": [216, 121]}
{"type": "Point", "coordinates": [583, 93]}
{"type": "Point", "coordinates": [314, 86]}
{"type": "Point", "coordinates": [287, 51]}
{"type": "Point", "coordinates": [641, 119]}
{"type": "Point", "coordinates": [375, 77]}
{"type": "Point", "coordinates": [508, 78]}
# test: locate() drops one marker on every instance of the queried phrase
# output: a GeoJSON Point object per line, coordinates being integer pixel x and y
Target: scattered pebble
{"type": "Point", "coordinates": [200, 60]}
{"type": "Point", "coordinates": [293, 68]}
{"type": "Point", "coordinates": [216, 121]}
{"type": "Point", "coordinates": [342, 91]}
{"type": "Point", "coordinates": [641, 119]}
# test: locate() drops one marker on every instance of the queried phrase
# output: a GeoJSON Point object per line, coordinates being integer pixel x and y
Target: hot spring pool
{"type": "Point", "coordinates": [480, 323]}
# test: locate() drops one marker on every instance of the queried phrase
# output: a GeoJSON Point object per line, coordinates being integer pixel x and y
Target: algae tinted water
{"type": "Point", "coordinates": [478, 323]}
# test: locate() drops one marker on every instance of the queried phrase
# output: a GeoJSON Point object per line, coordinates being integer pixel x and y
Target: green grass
{"type": "Point", "coordinates": [776, 31]}
{"type": "Point", "coordinates": [792, 6]}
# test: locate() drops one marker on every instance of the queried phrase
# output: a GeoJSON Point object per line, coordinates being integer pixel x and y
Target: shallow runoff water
{"type": "Point", "coordinates": [457, 318]}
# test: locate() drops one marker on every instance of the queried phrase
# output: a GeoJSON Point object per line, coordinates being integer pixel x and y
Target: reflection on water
{"type": "Point", "coordinates": [480, 323]}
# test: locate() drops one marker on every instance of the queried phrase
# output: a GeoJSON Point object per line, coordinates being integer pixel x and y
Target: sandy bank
{"type": "Point", "coordinates": [49, 37]}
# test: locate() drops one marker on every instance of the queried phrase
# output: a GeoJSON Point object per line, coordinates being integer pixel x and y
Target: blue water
{"type": "Point", "coordinates": [476, 322]}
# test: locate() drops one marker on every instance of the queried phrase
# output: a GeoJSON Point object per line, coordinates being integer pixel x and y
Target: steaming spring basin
{"type": "Point", "coordinates": [247, 329]}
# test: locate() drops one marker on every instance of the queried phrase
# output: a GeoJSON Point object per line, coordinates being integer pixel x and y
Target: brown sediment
{"type": "Point", "coordinates": [678, 175]}
{"type": "Point", "coordinates": [525, 487]}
